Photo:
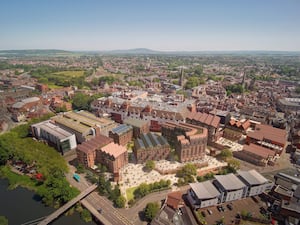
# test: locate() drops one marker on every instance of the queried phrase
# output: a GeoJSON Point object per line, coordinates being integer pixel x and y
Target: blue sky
{"type": "Point", "coordinates": [157, 24]}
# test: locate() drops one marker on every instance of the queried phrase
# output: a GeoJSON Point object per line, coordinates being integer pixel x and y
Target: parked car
{"type": "Point", "coordinates": [229, 206]}
{"type": "Point", "coordinates": [209, 212]}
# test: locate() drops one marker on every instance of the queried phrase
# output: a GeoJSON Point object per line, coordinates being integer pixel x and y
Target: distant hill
{"type": "Point", "coordinates": [138, 51]}
{"type": "Point", "coordinates": [35, 52]}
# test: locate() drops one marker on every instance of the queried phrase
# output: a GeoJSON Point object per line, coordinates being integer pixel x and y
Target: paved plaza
{"type": "Point", "coordinates": [234, 146]}
{"type": "Point", "coordinates": [134, 174]}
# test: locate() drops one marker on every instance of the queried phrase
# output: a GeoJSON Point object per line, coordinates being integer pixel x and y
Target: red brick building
{"type": "Point", "coordinates": [139, 126]}
{"type": "Point", "coordinates": [121, 134]}
{"type": "Point", "coordinates": [190, 141]}
{"type": "Point", "coordinates": [151, 147]}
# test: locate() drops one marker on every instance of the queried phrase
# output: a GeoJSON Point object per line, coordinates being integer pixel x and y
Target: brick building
{"type": "Point", "coordinates": [189, 140]}
{"type": "Point", "coordinates": [211, 122]}
{"type": "Point", "coordinates": [102, 150]}
{"type": "Point", "coordinates": [139, 126]}
{"type": "Point", "coordinates": [150, 147]}
{"type": "Point", "coordinates": [121, 134]}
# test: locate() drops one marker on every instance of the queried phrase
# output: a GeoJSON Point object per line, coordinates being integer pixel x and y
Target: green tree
{"type": "Point", "coordinates": [141, 191]}
{"type": "Point", "coordinates": [86, 215]}
{"type": "Point", "coordinates": [226, 153]}
{"type": "Point", "coordinates": [151, 210]}
{"type": "Point", "coordinates": [120, 202]}
{"type": "Point", "coordinates": [194, 82]}
{"type": "Point", "coordinates": [81, 101]}
{"type": "Point", "coordinates": [198, 70]}
{"type": "Point", "coordinates": [233, 165]}
{"type": "Point", "coordinates": [3, 220]}
{"type": "Point", "coordinates": [150, 165]}
{"type": "Point", "coordinates": [188, 169]}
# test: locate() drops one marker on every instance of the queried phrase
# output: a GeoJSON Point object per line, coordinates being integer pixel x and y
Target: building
{"type": "Point", "coordinates": [102, 150]}
{"type": "Point", "coordinates": [256, 154]}
{"type": "Point", "coordinates": [156, 109]}
{"type": "Point", "coordinates": [239, 125]}
{"type": "Point", "coordinates": [211, 122]}
{"type": "Point", "coordinates": [225, 188]}
{"type": "Point", "coordinates": [203, 194]}
{"type": "Point", "coordinates": [25, 105]}
{"type": "Point", "coordinates": [288, 104]}
{"type": "Point", "coordinates": [83, 124]}
{"type": "Point", "coordinates": [60, 139]}
{"type": "Point", "coordinates": [121, 134]}
{"type": "Point", "coordinates": [139, 126]}
{"type": "Point", "coordinates": [230, 187]}
{"type": "Point", "coordinates": [255, 182]}
{"type": "Point", "coordinates": [268, 137]}
{"type": "Point", "coordinates": [150, 147]}
{"type": "Point", "coordinates": [114, 157]}
{"type": "Point", "coordinates": [189, 140]}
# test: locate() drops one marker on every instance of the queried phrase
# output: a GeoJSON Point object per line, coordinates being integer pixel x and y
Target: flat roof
{"type": "Point", "coordinates": [252, 177]}
{"type": "Point", "coordinates": [230, 181]}
{"type": "Point", "coordinates": [53, 129]}
{"type": "Point", "coordinates": [71, 124]}
{"type": "Point", "coordinates": [135, 122]}
{"type": "Point", "coordinates": [205, 190]}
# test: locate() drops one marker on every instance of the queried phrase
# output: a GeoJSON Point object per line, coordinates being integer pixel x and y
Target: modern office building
{"type": "Point", "coordinates": [60, 139]}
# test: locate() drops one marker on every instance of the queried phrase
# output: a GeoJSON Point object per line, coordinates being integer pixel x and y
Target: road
{"type": "Point", "coordinates": [98, 202]}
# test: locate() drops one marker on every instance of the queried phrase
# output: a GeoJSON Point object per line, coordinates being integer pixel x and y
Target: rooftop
{"type": "Point", "coordinates": [205, 190]}
{"type": "Point", "coordinates": [230, 181]}
{"type": "Point", "coordinates": [94, 144]}
{"type": "Point", "coordinates": [252, 177]}
{"type": "Point", "coordinates": [205, 118]}
{"type": "Point", "coordinates": [113, 149]}
{"type": "Point", "coordinates": [150, 140]}
{"type": "Point", "coordinates": [135, 122]}
{"type": "Point", "coordinates": [259, 150]}
{"type": "Point", "coordinates": [121, 129]}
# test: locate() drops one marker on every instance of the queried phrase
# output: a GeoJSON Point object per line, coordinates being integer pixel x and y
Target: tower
{"type": "Point", "coordinates": [181, 77]}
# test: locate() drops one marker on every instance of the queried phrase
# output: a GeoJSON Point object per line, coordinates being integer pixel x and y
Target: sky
{"type": "Point", "coordinates": [166, 25]}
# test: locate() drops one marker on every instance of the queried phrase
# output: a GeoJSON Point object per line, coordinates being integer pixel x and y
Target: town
{"type": "Point", "coordinates": [166, 138]}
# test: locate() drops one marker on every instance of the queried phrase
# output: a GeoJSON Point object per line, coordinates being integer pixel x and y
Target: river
{"type": "Point", "coordinates": [21, 205]}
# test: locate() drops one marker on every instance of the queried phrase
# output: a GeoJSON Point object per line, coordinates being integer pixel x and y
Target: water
{"type": "Point", "coordinates": [21, 205]}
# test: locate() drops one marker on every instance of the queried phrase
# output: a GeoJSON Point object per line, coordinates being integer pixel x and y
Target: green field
{"type": "Point", "coordinates": [70, 73]}
{"type": "Point", "coordinates": [129, 193]}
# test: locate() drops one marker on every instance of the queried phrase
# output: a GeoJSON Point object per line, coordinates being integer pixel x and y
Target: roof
{"type": "Point", "coordinates": [205, 190]}
{"type": "Point", "coordinates": [135, 122]}
{"type": "Point", "coordinates": [94, 143]}
{"type": "Point", "coordinates": [252, 177]}
{"type": "Point", "coordinates": [113, 149]}
{"type": "Point", "coordinates": [259, 150]}
{"type": "Point", "coordinates": [263, 131]}
{"type": "Point", "coordinates": [53, 129]}
{"type": "Point", "coordinates": [150, 140]}
{"type": "Point", "coordinates": [208, 119]}
{"type": "Point", "coordinates": [174, 199]}
{"type": "Point", "coordinates": [121, 129]}
{"type": "Point", "coordinates": [230, 181]}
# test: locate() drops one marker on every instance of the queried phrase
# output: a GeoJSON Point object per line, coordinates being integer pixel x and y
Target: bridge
{"type": "Point", "coordinates": [68, 205]}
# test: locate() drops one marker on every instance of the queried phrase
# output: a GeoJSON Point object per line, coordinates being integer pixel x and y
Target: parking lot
{"type": "Point", "coordinates": [249, 205]}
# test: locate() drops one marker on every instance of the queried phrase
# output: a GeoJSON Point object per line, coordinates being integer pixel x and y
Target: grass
{"type": "Point", "coordinates": [129, 193]}
{"type": "Point", "coordinates": [70, 73]}
{"type": "Point", "coordinates": [53, 86]}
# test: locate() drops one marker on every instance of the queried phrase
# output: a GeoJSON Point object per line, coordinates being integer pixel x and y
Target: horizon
{"type": "Point", "coordinates": [232, 25]}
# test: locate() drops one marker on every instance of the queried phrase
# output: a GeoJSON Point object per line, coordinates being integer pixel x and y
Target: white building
{"type": "Point", "coordinates": [256, 183]}
{"type": "Point", "coordinates": [57, 137]}
{"type": "Point", "coordinates": [203, 194]}
{"type": "Point", "coordinates": [231, 187]}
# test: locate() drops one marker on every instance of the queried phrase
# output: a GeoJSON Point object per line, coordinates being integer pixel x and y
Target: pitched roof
{"type": "Point", "coordinates": [230, 181]}
{"type": "Point", "coordinates": [114, 150]}
{"type": "Point", "coordinates": [208, 119]}
{"type": "Point", "coordinates": [174, 199]}
{"type": "Point", "coordinates": [94, 144]}
{"type": "Point", "coordinates": [205, 190]}
{"type": "Point", "coordinates": [259, 150]}
{"type": "Point", "coordinates": [252, 177]}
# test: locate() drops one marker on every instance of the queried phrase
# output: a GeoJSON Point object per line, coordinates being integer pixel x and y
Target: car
{"type": "Point", "coordinates": [203, 213]}
{"type": "Point", "coordinates": [209, 212]}
{"type": "Point", "coordinates": [219, 208]}
{"type": "Point", "coordinates": [229, 206]}
{"type": "Point", "coordinates": [223, 209]}
{"type": "Point", "coordinates": [99, 210]}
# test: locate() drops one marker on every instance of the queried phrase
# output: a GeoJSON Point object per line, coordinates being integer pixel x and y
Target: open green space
{"type": "Point", "coordinates": [129, 193]}
{"type": "Point", "coordinates": [70, 73]}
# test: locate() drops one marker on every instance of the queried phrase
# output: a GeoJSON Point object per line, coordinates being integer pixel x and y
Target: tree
{"type": "Point", "coordinates": [150, 165]}
{"type": "Point", "coordinates": [86, 215]}
{"type": "Point", "coordinates": [151, 210]}
{"type": "Point", "coordinates": [3, 220]}
{"type": "Point", "coordinates": [233, 165]}
{"type": "Point", "coordinates": [226, 153]}
{"type": "Point", "coordinates": [141, 191]}
{"type": "Point", "coordinates": [188, 169]}
{"type": "Point", "coordinates": [81, 101]}
{"type": "Point", "coordinates": [120, 201]}
{"type": "Point", "coordinates": [198, 70]}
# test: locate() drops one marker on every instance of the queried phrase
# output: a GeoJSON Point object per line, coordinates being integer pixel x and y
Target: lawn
{"type": "Point", "coordinates": [129, 193]}
{"type": "Point", "coordinates": [53, 86]}
{"type": "Point", "coordinates": [70, 73]}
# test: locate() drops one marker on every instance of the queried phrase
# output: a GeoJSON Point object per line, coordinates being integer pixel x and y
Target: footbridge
{"type": "Point", "coordinates": [68, 205]}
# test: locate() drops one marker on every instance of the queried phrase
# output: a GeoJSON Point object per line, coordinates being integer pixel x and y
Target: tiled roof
{"type": "Point", "coordinates": [259, 150]}
{"type": "Point", "coordinates": [93, 144]}
{"type": "Point", "coordinates": [114, 150]}
{"type": "Point", "coordinates": [208, 119]}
